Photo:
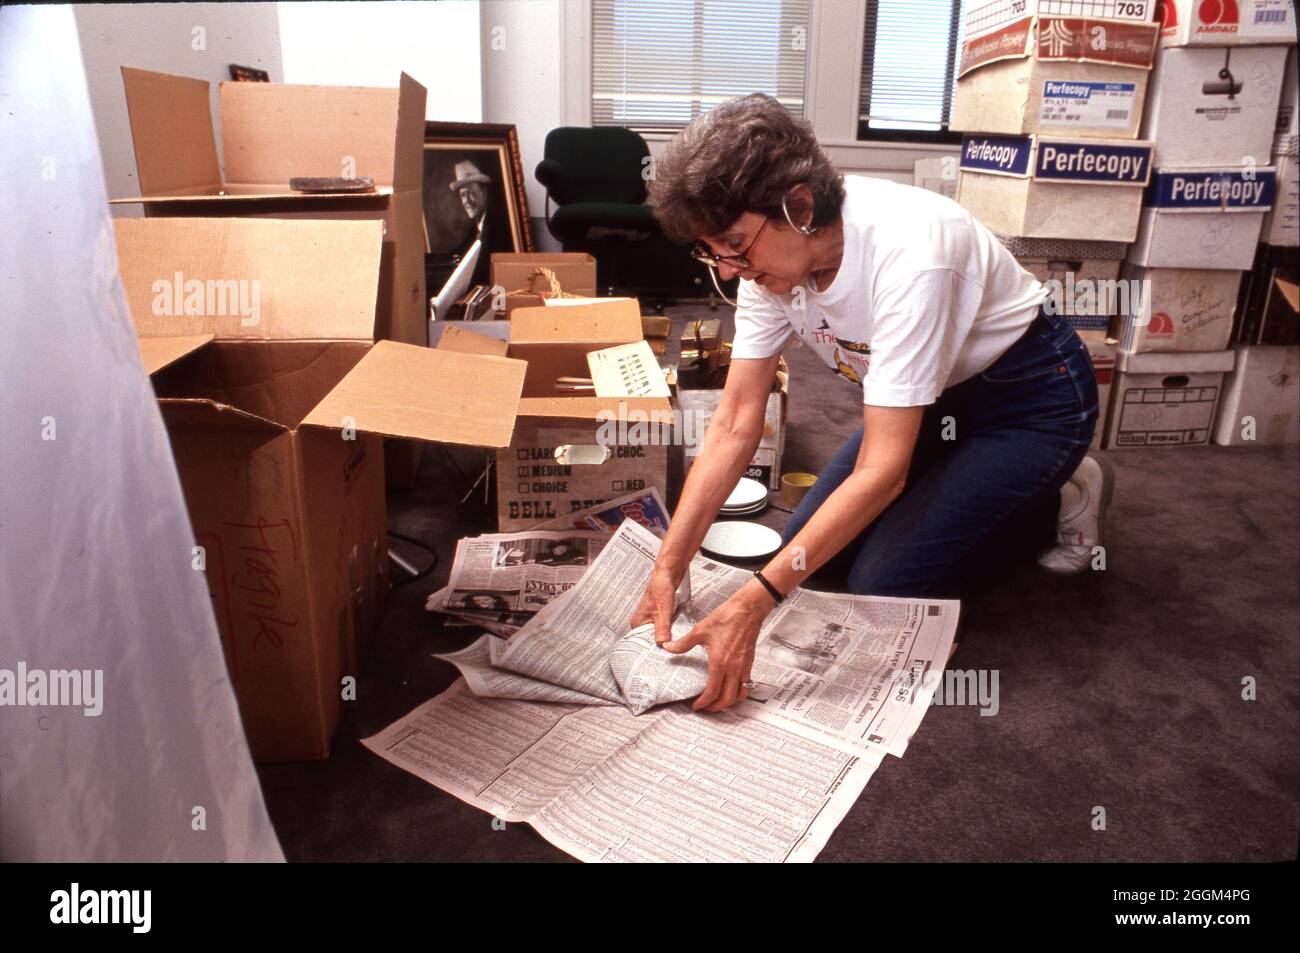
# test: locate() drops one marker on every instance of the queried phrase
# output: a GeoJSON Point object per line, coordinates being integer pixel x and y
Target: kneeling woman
{"type": "Point", "coordinates": [978, 403]}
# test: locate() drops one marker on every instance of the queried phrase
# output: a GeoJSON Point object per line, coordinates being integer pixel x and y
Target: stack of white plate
{"type": "Point", "coordinates": [748, 497]}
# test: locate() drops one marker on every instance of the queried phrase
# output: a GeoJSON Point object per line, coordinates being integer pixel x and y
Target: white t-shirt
{"type": "Point", "coordinates": [924, 298]}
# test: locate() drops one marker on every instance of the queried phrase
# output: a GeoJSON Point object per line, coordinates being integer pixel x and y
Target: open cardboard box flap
{"type": "Point", "coordinates": [310, 279]}
{"type": "Point", "coordinates": [401, 390]}
{"type": "Point", "coordinates": [455, 338]}
{"type": "Point", "coordinates": [270, 132]}
{"type": "Point", "coordinates": [318, 281]}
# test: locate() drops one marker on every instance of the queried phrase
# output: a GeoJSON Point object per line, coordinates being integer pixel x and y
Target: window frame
{"type": "Point", "coordinates": [945, 136]}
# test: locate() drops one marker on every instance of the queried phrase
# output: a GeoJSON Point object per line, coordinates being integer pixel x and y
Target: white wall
{"type": "Point", "coordinates": [368, 44]}
{"type": "Point", "coordinates": [522, 83]}
{"type": "Point", "coordinates": [189, 39]}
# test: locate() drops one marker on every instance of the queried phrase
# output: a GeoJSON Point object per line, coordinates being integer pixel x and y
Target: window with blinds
{"type": "Point", "coordinates": [657, 64]}
{"type": "Point", "coordinates": [910, 53]}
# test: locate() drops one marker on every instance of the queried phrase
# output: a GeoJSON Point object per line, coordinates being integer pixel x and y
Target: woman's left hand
{"type": "Point", "coordinates": [729, 634]}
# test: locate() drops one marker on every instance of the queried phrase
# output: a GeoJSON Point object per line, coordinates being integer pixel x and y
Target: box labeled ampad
{"type": "Point", "coordinates": [1046, 187]}
{"type": "Point", "coordinates": [1213, 107]}
{"type": "Point", "coordinates": [274, 393]}
{"type": "Point", "coordinates": [1203, 218]}
{"type": "Point", "coordinates": [1261, 397]}
{"type": "Point", "coordinates": [1070, 76]}
{"type": "Point", "coordinates": [1179, 309]}
{"type": "Point", "coordinates": [571, 452]}
{"type": "Point", "coordinates": [272, 132]}
{"type": "Point", "coordinates": [1161, 400]}
{"type": "Point", "coordinates": [1226, 22]}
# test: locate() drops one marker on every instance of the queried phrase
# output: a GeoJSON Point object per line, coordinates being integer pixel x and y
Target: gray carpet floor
{"type": "Point", "coordinates": [1120, 689]}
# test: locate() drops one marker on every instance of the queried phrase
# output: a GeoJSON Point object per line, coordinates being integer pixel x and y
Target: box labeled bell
{"type": "Point", "coordinates": [1165, 400]}
{"type": "Point", "coordinates": [1203, 218]}
{"type": "Point", "coordinates": [568, 451]}
{"type": "Point", "coordinates": [1226, 22]}
{"type": "Point", "coordinates": [1046, 187]}
{"type": "Point", "coordinates": [1070, 76]}
{"type": "Point", "coordinates": [1214, 107]}
{"type": "Point", "coordinates": [1261, 397]}
{"type": "Point", "coordinates": [1179, 309]}
{"type": "Point", "coordinates": [275, 396]}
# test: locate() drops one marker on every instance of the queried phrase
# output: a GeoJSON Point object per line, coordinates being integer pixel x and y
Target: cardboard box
{"type": "Point", "coordinates": [1203, 218]}
{"type": "Point", "coordinates": [1047, 187]}
{"type": "Point", "coordinates": [273, 413]}
{"type": "Point", "coordinates": [1179, 309]}
{"type": "Point", "coordinates": [1101, 351]}
{"type": "Point", "coordinates": [765, 466]}
{"type": "Point", "coordinates": [1281, 225]}
{"type": "Point", "coordinates": [990, 16]}
{"type": "Point", "coordinates": [1226, 22]}
{"type": "Point", "coordinates": [1161, 400]}
{"type": "Point", "coordinates": [1288, 107]}
{"type": "Point", "coordinates": [1198, 117]}
{"type": "Point", "coordinates": [1261, 398]}
{"type": "Point", "coordinates": [1049, 74]}
{"type": "Point", "coordinates": [1081, 277]}
{"type": "Point", "coordinates": [571, 452]}
{"type": "Point", "coordinates": [514, 274]}
{"type": "Point", "coordinates": [271, 132]}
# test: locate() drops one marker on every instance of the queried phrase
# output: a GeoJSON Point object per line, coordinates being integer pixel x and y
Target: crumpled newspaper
{"type": "Point", "coordinates": [648, 675]}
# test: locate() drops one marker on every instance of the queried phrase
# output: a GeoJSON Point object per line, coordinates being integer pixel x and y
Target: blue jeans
{"type": "Point", "coordinates": [983, 486]}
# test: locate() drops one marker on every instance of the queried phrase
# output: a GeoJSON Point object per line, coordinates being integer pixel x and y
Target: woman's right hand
{"type": "Point", "coordinates": [656, 605]}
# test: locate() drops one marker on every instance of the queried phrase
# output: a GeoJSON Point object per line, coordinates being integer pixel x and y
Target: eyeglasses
{"type": "Point", "coordinates": [703, 253]}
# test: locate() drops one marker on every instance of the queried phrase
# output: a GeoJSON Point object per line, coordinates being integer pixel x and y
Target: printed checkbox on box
{"type": "Point", "coordinates": [523, 488]}
{"type": "Point", "coordinates": [618, 484]}
{"type": "Point", "coordinates": [523, 472]}
{"type": "Point", "coordinates": [522, 453]}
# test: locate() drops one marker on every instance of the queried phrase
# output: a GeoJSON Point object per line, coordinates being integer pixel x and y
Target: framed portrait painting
{"type": "Point", "coordinates": [474, 190]}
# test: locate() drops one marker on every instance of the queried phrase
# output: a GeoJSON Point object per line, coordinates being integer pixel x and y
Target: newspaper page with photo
{"type": "Point", "coordinates": [603, 784]}
{"type": "Point", "coordinates": [857, 672]}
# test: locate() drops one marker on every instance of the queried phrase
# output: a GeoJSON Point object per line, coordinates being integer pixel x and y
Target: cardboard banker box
{"type": "Point", "coordinates": [1261, 397]}
{"type": "Point", "coordinates": [983, 17]}
{"type": "Point", "coordinates": [272, 132]}
{"type": "Point", "coordinates": [1072, 76]}
{"type": "Point", "coordinates": [1047, 187]}
{"type": "Point", "coordinates": [1178, 309]}
{"type": "Point", "coordinates": [516, 274]}
{"type": "Point", "coordinates": [1162, 400]}
{"type": "Point", "coordinates": [570, 452]}
{"type": "Point", "coordinates": [274, 391]}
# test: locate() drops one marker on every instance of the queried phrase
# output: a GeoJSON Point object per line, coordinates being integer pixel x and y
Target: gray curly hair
{"type": "Point", "coordinates": [742, 156]}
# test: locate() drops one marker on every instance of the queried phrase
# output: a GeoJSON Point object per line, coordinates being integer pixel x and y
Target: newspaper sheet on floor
{"type": "Point", "coordinates": [855, 672]}
{"type": "Point", "coordinates": [604, 784]}
{"type": "Point", "coordinates": [504, 610]}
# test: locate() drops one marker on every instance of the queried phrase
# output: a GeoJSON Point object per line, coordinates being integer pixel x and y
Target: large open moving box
{"type": "Point", "coordinates": [273, 410]}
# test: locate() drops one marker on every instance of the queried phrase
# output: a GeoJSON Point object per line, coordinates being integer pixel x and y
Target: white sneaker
{"type": "Point", "coordinates": [1084, 501]}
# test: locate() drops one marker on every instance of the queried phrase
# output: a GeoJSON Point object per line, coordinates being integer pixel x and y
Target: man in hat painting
{"type": "Point", "coordinates": [471, 185]}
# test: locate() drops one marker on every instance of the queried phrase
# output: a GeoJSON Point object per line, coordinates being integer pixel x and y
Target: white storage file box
{"type": "Point", "coordinates": [1214, 107]}
{"type": "Point", "coordinates": [1048, 187]}
{"type": "Point", "coordinates": [1261, 397]}
{"type": "Point", "coordinates": [1203, 218]}
{"type": "Point", "coordinates": [1070, 75]}
{"type": "Point", "coordinates": [1163, 400]}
